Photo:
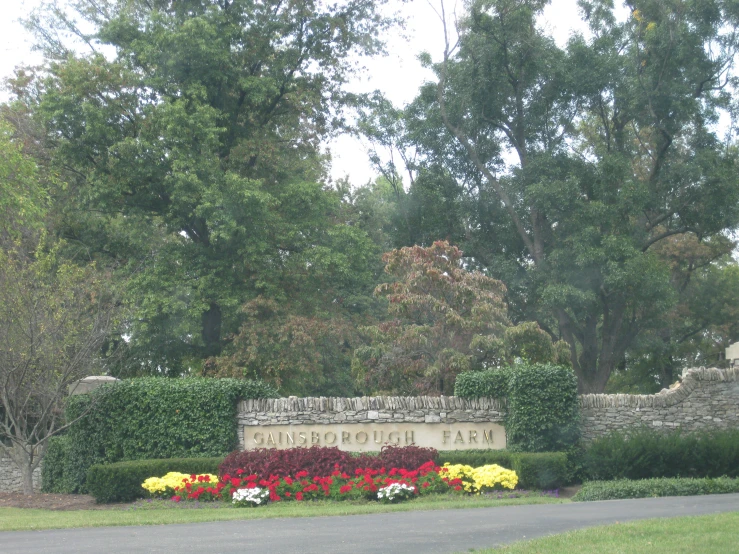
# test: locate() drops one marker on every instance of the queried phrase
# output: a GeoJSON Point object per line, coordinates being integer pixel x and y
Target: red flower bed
{"type": "Point", "coordinates": [318, 460]}
{"type": "Point", "coordinates": [337, 485]}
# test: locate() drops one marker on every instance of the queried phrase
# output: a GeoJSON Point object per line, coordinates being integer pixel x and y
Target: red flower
{"type": "Point", "coordinates": [298, 496]}
{"type": "Point", "coordinates": [457, 488]}
{"type": "Point", "coordinates": [176, 498]}
{"type": "Point", "coordinates": [226, 477]}
{"type": "Point", "coordinates": [239, 471]}
{"type": "Point", "coordinates": [287, 494]}
{"type": "Point", "coordinates": [288, 481]}
{"type": "Point", "coordinates": [425, 485]}
{"type": "Point", "coordinates": [345, 489]}
{"type": "Point", "coordinates": [235, 482]}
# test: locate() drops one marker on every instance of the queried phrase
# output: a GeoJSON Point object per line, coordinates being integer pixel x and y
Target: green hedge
{"type": "Point", "coordinates": [543, 408]}
{"type": "Point", "coordinates": [492, 383]}
{"type": "Point", "coordinates": [646, 488]}
{"type": "Point", "coordinates": [648, 454]}
{"type": "Point", "coordinates": [535, 470]}
{"type": "Point", "coordinates": [121, 482]}
{"type": "Point", "coordinates": [54, 478]}
{"type": "Point", "coordinates": [476, 458]}
{"type": "Point", "coordinates": [543, 412]}
{"type": "Point", "coordinates": [154, 418]}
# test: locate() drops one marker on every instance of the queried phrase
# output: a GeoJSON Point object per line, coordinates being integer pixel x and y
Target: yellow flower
{"type": "Point", "coordinates": [482, 478]}
{"type": "Point", "coordinates": [163, 486]}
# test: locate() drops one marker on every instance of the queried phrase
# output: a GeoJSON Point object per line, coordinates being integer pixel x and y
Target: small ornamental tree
{"type": "Point", "coordinates": [443, 320]}
{"type": "Point", "coordinates": [55, 319]}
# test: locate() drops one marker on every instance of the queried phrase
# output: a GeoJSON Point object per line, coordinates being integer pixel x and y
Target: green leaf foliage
{"type": "Point", "coordinates": [492, 383]}
{"type": "Point", "coordinates": [121, 481]}
{"type": "Point", "coordinates": [150, 418]}
{"type": "Point", "coordinates": [648, 488]}
{"type": "Point", "coordinates": [645, 453]}
{"type": "Point", "coordinates": [53, 476]}
{"type": "Point", "coordinates": [194, 160]}
{"type": "Point", "coordinates": [543, 408]}
{"type": "Point", "coordinates": [573, 164]}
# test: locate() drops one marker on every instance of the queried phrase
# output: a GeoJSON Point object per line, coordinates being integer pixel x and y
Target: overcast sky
{"type": "Point", "coordinates": [398, 74]}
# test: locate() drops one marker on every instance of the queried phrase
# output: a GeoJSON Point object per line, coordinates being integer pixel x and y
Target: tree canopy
{"type": "Point", "coordinates": [573, 165]}
{"type": "Point", "coordinates": [194, 161]}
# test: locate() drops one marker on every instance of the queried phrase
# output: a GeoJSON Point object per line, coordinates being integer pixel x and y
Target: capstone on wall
{"type": "Point", "coordinates": [11, 479]}
{"type": "Point", "coordinates": [705, 399]}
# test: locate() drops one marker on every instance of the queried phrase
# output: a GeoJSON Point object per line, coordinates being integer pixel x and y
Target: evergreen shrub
{"type": "Point", "coordinates": [646, 453]}
{"type": "Point", "coordinates": [121, 481]}
{"type": "Point", "coordinates": [647, 488]}
{"type": "Point", "coordinates": [492, 383]}
{"type": "Point", "coordinates": [154, 418]}
{"type": "Point", "coordinates": [543, 411]}
{"type": "Point", "coordinates": [54, 479]}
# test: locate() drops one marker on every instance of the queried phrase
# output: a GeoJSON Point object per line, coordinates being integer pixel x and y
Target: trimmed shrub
{"type": "Point", "coordinates": [540, 470]}
{"type": "Point", "coordinates": [121, 482]}
{"type": "Point", "coordinates": [543, 409]}
{"type": "Point", "coordinates": [476, 458]}
{"type": "Point", "coordinates": [54, 478]}
{"type": "Point", "coordinates": [646, 488]}
{"type": "Point", "coordinates": [492, 383]}
{"type": "Point", "coordinates": [648, 454]}
{"type": "Point", "coordinates": [322, 460]}
{"type": "Point", "coordinates": [155, 418]}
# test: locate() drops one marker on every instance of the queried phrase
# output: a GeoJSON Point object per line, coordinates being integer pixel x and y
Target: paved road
{"type": "Point", "coordinates": [442, 531]}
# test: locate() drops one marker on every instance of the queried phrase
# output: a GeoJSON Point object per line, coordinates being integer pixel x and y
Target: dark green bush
{"type": "Point", "coordinates": [475, 458]}
{"type": "Point", "coordinates": [121, 482]}
{"type": "Point", "coordinates": [647, 454]}
{"type": "Point", "coordinates": [625, 488]}
{"type": "Point", "coordinates": [492, 383]}
{"type": "Point", "coordinates": [540, 470]}
{"type": "Point", "coordinates": [535, 470]}
{"type": "Point", "coordinates": [543, 408]}
{"type": "Point", "coordinates": [154, 418]}
{"type": "Point", "coordinates": [54, 478]}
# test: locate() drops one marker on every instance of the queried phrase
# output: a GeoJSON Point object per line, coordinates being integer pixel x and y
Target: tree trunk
{"type": "Point", "coordinates": [26, 462]}
{"type": "Point", "coordinates": [27, 477]}
{"type": "Point", "coordinates": [211, 330]}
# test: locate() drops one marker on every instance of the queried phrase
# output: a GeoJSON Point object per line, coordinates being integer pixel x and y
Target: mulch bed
{"type": "Point", "coordinates": [53, 501]}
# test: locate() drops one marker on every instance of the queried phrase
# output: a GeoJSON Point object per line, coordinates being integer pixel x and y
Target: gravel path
{"type": "Point", "coordinates": [442, 531]}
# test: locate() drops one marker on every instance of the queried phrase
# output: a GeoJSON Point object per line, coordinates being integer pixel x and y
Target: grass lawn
{"type": "Point", "coordinates": [717, 534]}
{"type": "Point", "coordinates": [161, 512]}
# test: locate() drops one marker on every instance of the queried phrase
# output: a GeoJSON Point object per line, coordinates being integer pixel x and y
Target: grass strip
{"type": "Point", "coordinates": [164, 512]}
{"type": "Point", "coordinates": [713, 534]}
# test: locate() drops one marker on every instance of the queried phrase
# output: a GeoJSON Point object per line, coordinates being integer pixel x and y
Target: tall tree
{"type": "Point", "coordinates": [442, 320]}
{"type": "Point", "coordinates": [191, 140]}
{"type": "Point", "coordinates": [577, 163]}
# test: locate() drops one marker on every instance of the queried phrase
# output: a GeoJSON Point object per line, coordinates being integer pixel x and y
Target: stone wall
{"type": "Point", "coordinates": [705, 399]}
{"type": "Point", "coordinates": [375, 409]}
{"type": "Point", "coordinates": [10, 477]}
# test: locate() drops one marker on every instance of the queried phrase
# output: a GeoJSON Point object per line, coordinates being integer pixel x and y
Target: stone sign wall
{"type": "Point", "coordinates": [368, 423]}
{"type": "Point", "coordinates": [705, 399]}
{"type": "Point", "coordinates": [11, 479]}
